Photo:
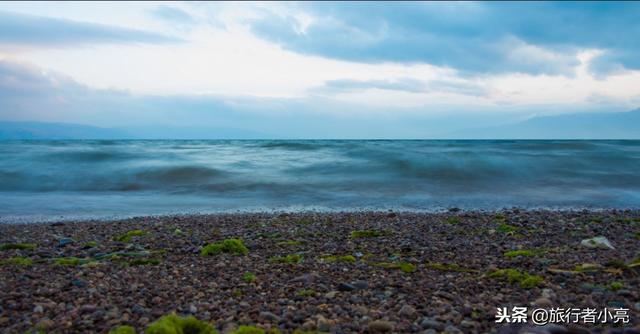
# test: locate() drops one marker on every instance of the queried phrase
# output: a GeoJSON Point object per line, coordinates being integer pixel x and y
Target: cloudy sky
{"type": "Point", "coordinates": [316, 69]}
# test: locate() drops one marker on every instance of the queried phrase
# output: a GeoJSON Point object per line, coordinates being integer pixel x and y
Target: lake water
{"type": "Point", "coordinates": [101, 179]}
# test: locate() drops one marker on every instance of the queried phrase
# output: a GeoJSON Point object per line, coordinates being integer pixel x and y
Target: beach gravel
{"type": "Point", "coordinates": [351, 272]}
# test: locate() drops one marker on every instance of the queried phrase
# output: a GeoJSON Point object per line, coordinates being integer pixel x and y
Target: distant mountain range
{"type": "Point", "coordinates": [612, 125]}
{"type": "Point", "coordinates": [61, 131]}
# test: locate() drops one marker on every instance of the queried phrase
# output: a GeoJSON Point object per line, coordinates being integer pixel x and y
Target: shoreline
{"type": "Point", "coordinates": [347, 272]}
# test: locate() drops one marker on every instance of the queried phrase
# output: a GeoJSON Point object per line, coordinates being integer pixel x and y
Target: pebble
{"type": "Point", "coordinates": [38, 309]}
{"type": "Point", "coordinates": [65, 241]}
{"type": "Point", "coordinates": [346, 287]}
{"type": "Point", "coordinates": [330, 294]}
{"type": "Point", "coordinates": [430, 323]}
{"type": "Point", "coordinates": [360, 285]}
{"type": "Point", "coordinates": [407, 311]}
{"type": "Point", "coordinates": [380, 326]}
{"type": "Point", "coordinates": [269, 316]}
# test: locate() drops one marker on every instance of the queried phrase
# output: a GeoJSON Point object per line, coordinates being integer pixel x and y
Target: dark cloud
{"type": "Point", "coordinates": [467, 36]}
{"type": "Point", "coordinates": [20, 31]}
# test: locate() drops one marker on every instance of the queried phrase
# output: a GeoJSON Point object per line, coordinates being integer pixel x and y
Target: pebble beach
{"type": "Point", "coordinates": [352, 272]}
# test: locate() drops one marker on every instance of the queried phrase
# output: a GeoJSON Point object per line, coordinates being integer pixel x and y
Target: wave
{"type": "Point", "coordinates": [334, 173]}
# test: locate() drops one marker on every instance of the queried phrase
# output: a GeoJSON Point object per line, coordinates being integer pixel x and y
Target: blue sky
{"type": "Point", "coordinates": [309, 69]}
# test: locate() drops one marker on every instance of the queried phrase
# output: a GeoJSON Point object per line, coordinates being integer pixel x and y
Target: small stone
{"type": "Point", "coordinates": [407, 311]}
{"type": "Point", "coordinates": [324, 325]}
{"type": "Point", "coordinates": [597, 242]}
{"type": "Point", "coordinates": [380, 326]}
{"type": "Point", "coordinates": [269, 316]}
{"type": "Point", "coordinates": [87, 308]}
{"type": "Point", "coordinates": [543, 302]}
{"type": "Point", "coordinates": [137, 309]}
{"type": "Point", "coordinates": [38, 309]}
{"type": "Point", "coordinates": [79, 283]}
{"type": "Point", "coordinates": [308, 325]}
{"type": "Point", "coordinates": [451, 329]}
{"type": "Point", "coordinates": [65, 241]}
{"type": "Point", "coordinates": [346, 287]}
{"type": "Point", "coordinates": [330, 294]}
{"type": "Point", "coordinates": [193, 309]}
{"type": "Point", "coordinates": [429, 323]}
{"type": "Point", "coordinates": [360, 285]}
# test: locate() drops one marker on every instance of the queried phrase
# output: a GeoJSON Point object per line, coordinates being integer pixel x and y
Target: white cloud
{"type": "Point", "coordinates": [226, 59]}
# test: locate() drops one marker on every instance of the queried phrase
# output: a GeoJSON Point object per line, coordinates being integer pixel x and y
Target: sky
{"type": "Point", "coordinates": [316, 69]}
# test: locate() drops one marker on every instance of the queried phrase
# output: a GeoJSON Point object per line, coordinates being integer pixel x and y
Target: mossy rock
{"type": "Point", "coordinates": [67, 261]}
{"type": "Point", "coordinates": [123, 330]}
{"type": "Point", "coordinates": [173, 324]}
{"type": "Point", "coordinates": [90, 244]}
{"type": "Point", "coordinates": [453, 220]}
{"type": "Point", "coordinates": [405, 267]}
{"type": "Point", "coordinates": [525, 280]}
{"type": "Point", "coordinates": [615, 286]}
{"type": "Point", "coordinates": [16, 261]}
{"type": "Point", "coordinates": [249, 277]}
{"type": "Point", "coordinates": [338, 258]}
{"type": "Point", "coordinates": [369, 233]}
{"type": "Point", "coordinates": [524, 253]}
{"type": "Point", "coordinates": [144, 262]}
{"type": "Point", "coordinates": [288, 259]}
{"type": "Point", "coordinates": [19, 246]}
{"type": "Point", "coordinates": [127, 237]}
{"type": "Point", "coordinates": [506, 228]}
{"type": "Point", "coordinates": [255, 330]}
{"type": "Point", "coordinates": [306, 293]}
{"type": "Point", "coordinates": [447, 267]}
{"type": "Point", "coordinates": [231, 246]}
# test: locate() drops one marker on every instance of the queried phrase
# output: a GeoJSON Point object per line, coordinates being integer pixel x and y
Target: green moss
{"type": "Point", "coordinates": [232, 246]}
{"type": "Point", "coordinates": [587, 267]}
{"type": "Point", "coordinates": [524, 252]}
{"type": "Point", "coordinates": [306, 293]}
{"type": "Point", "coordinates": [67, 261]}
{"type": "Point", "coordinates": [525, 280]}
{"type": "Point", "coordinates": [289, 243]}
{"type": "Point", "coordinates": [144, 262]}
{"type": "Point", "coordinates": [338, 258]}
{"type": "Point", "coordinates": [637, 235]}
{"type": "Point", "coordinates": [123, 330]}
{"type": "Point", "coordinates": [249, 277]}
{"type": "Point", "coordinates": [506, 228]}
{"type": "Point", "coordinates": [452, 220]}
{"type": "Point", "coordinates": [16, 261]}
{"type": "Point", "coordinates": [290, 259]}
{"type": "Point", "coordinates": [615, 286]}
{"type": "Point", "coordinates": [91, 244]}
{"type": "Point", "coordinates": [237, 293]}
{"type": "Point", "coordinates": [369, 234]}
{"type": "Point", "coordinates": [248, 330]}
{"type": "Point", "coordinates": [271, 235]}
{"type": "Point", "coordinates": [447, 267]}
{"type": "Point", "coordinates": [22, 246]}
{"type": "Point", "coordinates": [127, 237]}
{"type": "Point", "coordinates": [173, 324]}
{"type": "Point", "coordinates": [404, 266]}
{"type": "Point", "coordinates": [304, 222]}
{"type": "Point", "coordinates": [500, 217]}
